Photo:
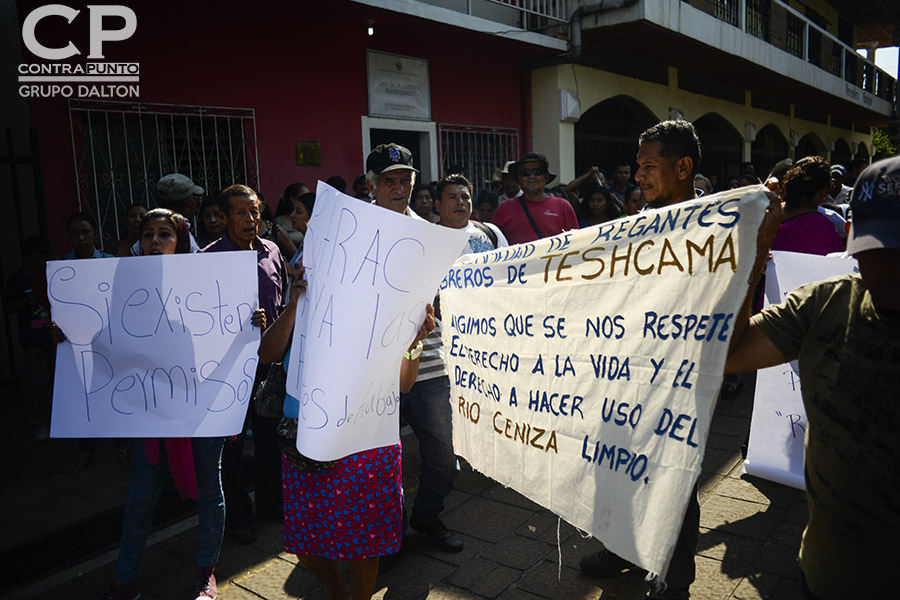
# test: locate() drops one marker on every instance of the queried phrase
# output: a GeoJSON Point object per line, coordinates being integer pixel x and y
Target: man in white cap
{"type": "Point", "coordinates": [509, 185]}
{"type": "Point", "coordinates": [845, 334]}
{"type": "Point", "coordinates": [495, 183]}
{"type": "Point", "coordinates": [838, 193]}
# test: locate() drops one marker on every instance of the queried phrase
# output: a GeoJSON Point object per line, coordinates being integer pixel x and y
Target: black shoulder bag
{"type": "Point", "coordinates": [531, 220]}
{"type": "Point", "coordinates": [490, 233]}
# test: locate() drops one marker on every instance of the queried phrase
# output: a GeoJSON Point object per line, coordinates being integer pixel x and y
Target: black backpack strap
{"type": "Point", "coordinates": [492, 235]}
{"type": "Point", "coordinates": [531, 220]}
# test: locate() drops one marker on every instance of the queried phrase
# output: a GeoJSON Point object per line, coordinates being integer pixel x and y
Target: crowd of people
{"type": "Point", "coordinates": [844, 332]}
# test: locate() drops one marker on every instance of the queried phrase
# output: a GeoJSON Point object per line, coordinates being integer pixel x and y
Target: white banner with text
{"type": "Point", "coordinates": [370, 274]}
{"type": "Point", "coordinates": [156, 346]}
{"type": "Point", "coordinates": [778, 425]}
{"type": "Point", "coordinates": [584, 367]}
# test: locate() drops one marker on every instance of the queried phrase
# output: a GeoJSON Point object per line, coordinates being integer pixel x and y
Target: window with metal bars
{"type": "Point", "coordinates": [868, 78]}
{"type": "Point", "coordinates": [477, 150]}
{"type": "Point", "coordinates": [727, 10]}
{"type": "Point", "coordinates": [850, 62]}
{"type": "Point", "coordinates": [122, 149]}
{"type": "Point", "coordinates": [794, 33]}
{"type": "Point", "coordinates": [758, 18]}
{"type": "Point", "coordinates": [835, 58]}
{"type": "Point", "coordinates": [814, 37]}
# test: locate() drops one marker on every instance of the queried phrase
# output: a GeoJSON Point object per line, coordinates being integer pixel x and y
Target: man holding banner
{"type": "Point", "coordinates": [667, 160]}
{"type": "Point", "coordinates": [845, 334]}
{"type": "Point", "coordinates": [586, 366]}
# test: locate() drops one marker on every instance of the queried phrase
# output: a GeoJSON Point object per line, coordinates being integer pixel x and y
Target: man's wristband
{"type": "Point", "coordinates": [415, 353]}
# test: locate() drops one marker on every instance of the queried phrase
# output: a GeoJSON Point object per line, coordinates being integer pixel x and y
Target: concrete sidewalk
{"type": "Point", "coordinates": [749, 539]}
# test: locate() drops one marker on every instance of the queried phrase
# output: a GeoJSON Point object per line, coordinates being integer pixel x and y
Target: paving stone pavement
{"type": "Point", "coordinates": [514, 550]}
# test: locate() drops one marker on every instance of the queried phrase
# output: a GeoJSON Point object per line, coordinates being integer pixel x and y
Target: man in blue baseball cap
{"type": "Point", "coordinates": [845, 334]}
{"type": "Point", "coordinates": [390, 176]}
{"type": "Point", "coordinates": [838, 193]}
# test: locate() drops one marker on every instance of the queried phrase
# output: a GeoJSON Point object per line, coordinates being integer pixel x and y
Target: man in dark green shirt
{"type": "Point", "coordinates": [845, 334]}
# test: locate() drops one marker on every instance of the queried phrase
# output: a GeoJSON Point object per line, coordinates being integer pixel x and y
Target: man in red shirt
{"type": "Point", "coordinates": [535, 214]}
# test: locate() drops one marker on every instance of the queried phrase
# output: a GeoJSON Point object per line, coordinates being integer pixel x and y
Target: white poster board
{"type": "Point", "coordinates": [584, 368]}
{"type": "Point", "coordinates": [370, 274]}
{"type": "Point", "coordinates": [398, 86]}
{"type": "Point", "coordinates": [157, 346]}
{"type": "Point", "coordinates": [778, 424]}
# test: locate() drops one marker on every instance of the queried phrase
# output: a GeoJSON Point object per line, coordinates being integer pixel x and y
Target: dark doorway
{"type": "Point", "coordinates": [809, 145]}
{"type": "Point", "coordinates": [608, 132]}
{"type": "Point", "coordinates": [841, 154]}
{"type": "Point", "coordinates": [720, 148]}
{"type": "Point", "coordinates": [769, 147]}
{"type": "Point", "coordinates": [407, 139]}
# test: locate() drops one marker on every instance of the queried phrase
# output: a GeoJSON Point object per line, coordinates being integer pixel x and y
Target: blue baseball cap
{"type": "Point", "coordinates": [875, 203]}
{"type": "Point", "coordinates": [389, 157]}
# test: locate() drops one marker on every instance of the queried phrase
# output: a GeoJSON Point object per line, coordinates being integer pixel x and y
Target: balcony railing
{"type": "Point", "coordinates": [530, 15]}
{"type": "Point", "coordinates": [556, 10]}
{"type": "Point", "coordinates": [772, 21]}
{"type": "Point", "coordinates": [780, 25]}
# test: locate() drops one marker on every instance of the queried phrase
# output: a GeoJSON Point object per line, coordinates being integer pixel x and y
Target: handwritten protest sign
{"type": "Point", "coordinates": [778, 424]}
{"type": "Point", "coordinates": [584, 367]}
{"type": "Point", "coordinates": [370, 273]}
{"type": "Point", "coordinates": [157, 346]}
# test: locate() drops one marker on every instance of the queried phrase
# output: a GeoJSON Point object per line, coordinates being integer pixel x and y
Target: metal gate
{"type": "Point", "coordinates": [478, 150]}
{"type": "Point", "coordinates": [121, 149]}
{"type": "Point", "coordinates": [23, 194]}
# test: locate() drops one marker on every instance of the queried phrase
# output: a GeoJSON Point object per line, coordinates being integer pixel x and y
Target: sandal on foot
{"type": "Point", "coordinates": [84, 461]}
{"type": "Point", "coordinates": [123, 455]}
{"type": "Point", "coordinates": [604, 564]}
{"type": "Point", "coordinates": [730, 389]}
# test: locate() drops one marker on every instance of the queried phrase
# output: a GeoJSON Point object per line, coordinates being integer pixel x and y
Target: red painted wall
{"type": "Point", "coordinates": [300, 66]}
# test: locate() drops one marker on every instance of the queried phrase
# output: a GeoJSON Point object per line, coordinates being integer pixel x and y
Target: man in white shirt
{"type": "Point", "coordinates": [839, 193]}
{"type": "Point", "coordinates": [454, 203]}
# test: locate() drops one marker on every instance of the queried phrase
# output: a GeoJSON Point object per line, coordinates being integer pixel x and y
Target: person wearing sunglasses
{"type": "Point", "coordinates": [535, 214]}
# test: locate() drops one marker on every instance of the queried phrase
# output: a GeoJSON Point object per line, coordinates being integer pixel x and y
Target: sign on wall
{"type": "Point", "coordinates": [398, 86]}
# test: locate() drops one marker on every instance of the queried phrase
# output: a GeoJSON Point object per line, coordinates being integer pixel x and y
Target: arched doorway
{"type": "Point", "coordinates": [769, 147]}
{"type": "Point", "coordinates": [608, 132]}
{"type": "Point", "coordinates": [720, 148]}
{"type": "Point", "coordinates": [809, 145]}
{"type": "Point", "coordinates": [841, 154]}
{"type": "Point", "coordinates": [862, 151]}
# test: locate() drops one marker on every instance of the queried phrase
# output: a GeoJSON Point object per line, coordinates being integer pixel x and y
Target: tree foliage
{"type": "Point", "coordinates": [884, 147]}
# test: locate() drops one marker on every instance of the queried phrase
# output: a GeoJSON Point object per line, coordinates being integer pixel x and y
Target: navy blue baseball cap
{"type": "Point", "coordinates": [875, 204]}
{"type": "Point", "coordinates": [389, 157]}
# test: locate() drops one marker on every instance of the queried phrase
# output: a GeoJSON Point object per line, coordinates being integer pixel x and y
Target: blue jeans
{"type": "Point", "coordinates": [427, 410]}
{"type": "Point", "coordinates": [144, 490]}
